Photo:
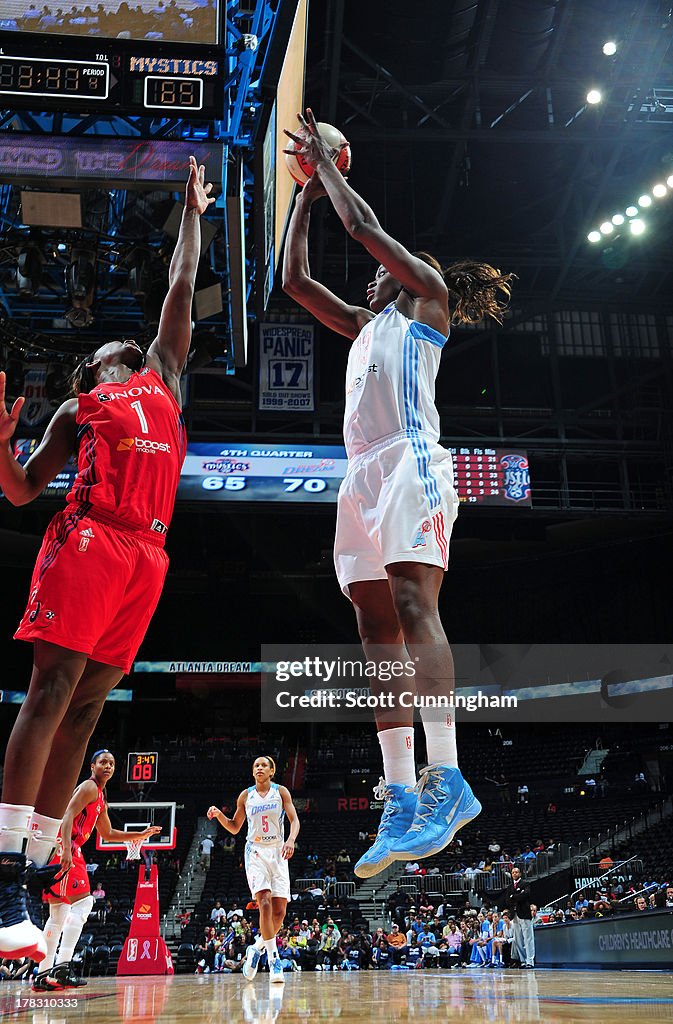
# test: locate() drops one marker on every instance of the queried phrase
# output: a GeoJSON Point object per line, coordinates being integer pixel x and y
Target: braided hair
{"type": "Point", "coordinates": [476, 289]}
{"type": "Point", "coordinates": [83, 379]}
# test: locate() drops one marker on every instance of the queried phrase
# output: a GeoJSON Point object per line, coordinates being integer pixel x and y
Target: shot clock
{"type": "Point", "coordinates": [142, 767]}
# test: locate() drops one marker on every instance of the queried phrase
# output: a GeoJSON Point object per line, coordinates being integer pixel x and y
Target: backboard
{"type": "Point", "coordinates": [136, 817]}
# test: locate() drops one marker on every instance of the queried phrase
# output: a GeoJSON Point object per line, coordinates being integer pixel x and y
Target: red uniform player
{"type": "Point", "coordinates": [100, 570]}
{"type": "Point", "coordinates": [70, 895]}
{"type": "Point", "coordinates": [110, 538]}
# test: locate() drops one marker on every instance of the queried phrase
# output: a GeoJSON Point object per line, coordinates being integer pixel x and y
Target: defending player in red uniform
{"type": "Point", "coordinates": [70, 895]}
{"type": "Point", "coordinates": [101, 567]}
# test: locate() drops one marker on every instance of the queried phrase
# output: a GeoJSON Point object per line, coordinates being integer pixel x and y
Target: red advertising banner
{"type": "Point", "coordinates": [122, 163]}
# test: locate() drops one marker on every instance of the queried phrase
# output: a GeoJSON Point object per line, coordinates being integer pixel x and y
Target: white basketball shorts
{"type": "Point", "coordinates": [266, 869]}
{"type": "Point", "coordinates": [397, 503]}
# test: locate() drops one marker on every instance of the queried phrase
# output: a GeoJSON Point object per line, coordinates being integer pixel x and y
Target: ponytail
{"type": "Point", "coordinates": [476, 290]}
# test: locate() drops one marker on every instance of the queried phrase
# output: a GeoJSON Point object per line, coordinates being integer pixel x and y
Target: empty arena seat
{"type": "Point", "coordinates": [101, 960]}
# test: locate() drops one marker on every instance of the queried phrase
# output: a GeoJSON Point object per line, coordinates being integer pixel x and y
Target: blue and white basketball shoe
{"type": "Point", "coordinates": [276, 971]}
{"type": "Point", "coordinates": [397, 817]}
{"type": "Point", "coordinates": [445, 804]}
{"type": "Point", "coordinates": [252, 958]}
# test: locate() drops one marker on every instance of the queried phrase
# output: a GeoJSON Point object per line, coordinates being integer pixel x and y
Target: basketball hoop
{"type": "Point", "coordinates": [133, 848]}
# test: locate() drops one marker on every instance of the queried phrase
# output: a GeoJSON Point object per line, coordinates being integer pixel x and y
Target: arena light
{"type": "Point", "coordinates": [659, 191]}
{"type": "Point", "coordinates": [594, 236]}
{"type": "Point", "coordinates": [607, 227]}
{"type": "Point", "coordinates": [610, 48]}
{"type": "Point", "coordinates": [631, 211]}
{"type": "Point", "coordinates": [594, 96]}
{"type": "Point", "coordinates": [617, 219]}
{"type": "Point", "coordinates": [637, 227]}
{"type": "Point", "coordinates": [645, 200]}
{"type": "Point", "coordinates": [669, 181]}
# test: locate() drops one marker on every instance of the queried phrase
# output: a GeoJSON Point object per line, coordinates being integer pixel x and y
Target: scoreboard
{"type": "Point", "coordinates": [308, 475]}
{"type": "Point", "coordinates": [110, 76]}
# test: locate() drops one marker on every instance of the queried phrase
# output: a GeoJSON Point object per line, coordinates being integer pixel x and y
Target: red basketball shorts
{"type": "Point", "coordinates": [94, 588]}
{"type": "Point", "coordinates": [73, 885]}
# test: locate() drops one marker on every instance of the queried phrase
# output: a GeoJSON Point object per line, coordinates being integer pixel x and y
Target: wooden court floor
{"type": "Point", "coordinates": [428, 997]}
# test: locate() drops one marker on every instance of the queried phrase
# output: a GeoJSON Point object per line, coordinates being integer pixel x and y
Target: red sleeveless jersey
{"type": "Point", "coordinates": [85, 822]}
{"type": "Point", "coordinates": [132, 444]}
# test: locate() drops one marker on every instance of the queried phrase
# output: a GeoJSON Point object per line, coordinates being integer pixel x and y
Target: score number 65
{"type": "Point", "coordinates": [238, 483]}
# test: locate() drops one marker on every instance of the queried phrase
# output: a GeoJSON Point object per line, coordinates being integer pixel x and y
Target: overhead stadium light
{"type": "Point", "coordinates": [617, 219]}
{"type": "Point", "coordinates": [607, 227]}
{"type": "Point", "coordinates": [610, 48]}
{"type": "Point", "coordinates": [645, 200]}
{"type": "Point", "coordinates": [637, 227]}
{"type": "Point", "coordinates": [594, 96]}
{"type": "Point", "coordinates": [669, 181]}
{"type": "Point", "coordinates": [594, 236]}
{"type": "Point", "coordinates": [659, 191]}
{"type": "Point", "coordinates": [631, 211]}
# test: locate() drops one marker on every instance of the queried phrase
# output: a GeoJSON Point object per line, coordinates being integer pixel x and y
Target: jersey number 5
{"type": "Point", "coordinates": [141, 416]}
{"type": "Point", "coordinates": [265, 823]}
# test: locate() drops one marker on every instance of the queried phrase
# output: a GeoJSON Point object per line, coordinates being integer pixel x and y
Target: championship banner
{"type": "Point", "coordinates": [37, 407]}
{"type": "Point", "coordinates": [286, 358]}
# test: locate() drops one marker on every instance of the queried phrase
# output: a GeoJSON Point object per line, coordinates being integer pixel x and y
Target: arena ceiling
{"type": "Point", "coordinates": [471, 135]}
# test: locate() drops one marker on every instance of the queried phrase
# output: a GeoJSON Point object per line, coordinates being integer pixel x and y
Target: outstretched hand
{"type": "Point", "coordinates": [198, 196]}
{"type": "Point", "coordinates": [8, 420]}
{"type": "Point", "coordinates": [310, 143]}
{"type": "Point", "coordinates": [153, 830]}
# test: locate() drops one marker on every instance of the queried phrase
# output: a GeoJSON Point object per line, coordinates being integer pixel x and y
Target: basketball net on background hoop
{"type": "Point", "coordinates": [133, 848]}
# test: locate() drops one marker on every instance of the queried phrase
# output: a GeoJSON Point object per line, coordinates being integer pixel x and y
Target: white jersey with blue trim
{"type": "Point", "coordinates": [265, 815]}
{"type": "Point", "coordinates": [390, 381]}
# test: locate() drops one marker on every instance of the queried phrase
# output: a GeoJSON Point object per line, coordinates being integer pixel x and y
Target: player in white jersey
{"type": "Point", "coordinates": [398, 503]}
{"type": "Point", "coordinates": [267, 852]}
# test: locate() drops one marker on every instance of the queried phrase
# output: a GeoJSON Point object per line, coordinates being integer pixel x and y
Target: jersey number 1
{"type": "Point", "coordinates": [141, 416]}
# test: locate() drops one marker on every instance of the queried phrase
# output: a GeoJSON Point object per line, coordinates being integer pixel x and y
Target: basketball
{"type": "Point", "coordinates": [299, 167]}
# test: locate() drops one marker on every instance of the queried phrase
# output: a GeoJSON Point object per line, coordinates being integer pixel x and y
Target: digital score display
{"type": "Point", "coordinates": [292, 473]}
{"type": "Point", "coordinates": [296, 474]}
{"type": "Point", "coordinates": [41, 77]}
{"type": "Point", "coordinates": [112, 76]}
{"type": "Point", "coordinates": [141, 767]}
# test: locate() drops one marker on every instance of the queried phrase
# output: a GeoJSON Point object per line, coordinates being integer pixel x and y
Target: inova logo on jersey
{"type": "Point", "coordinates": [142, 444]}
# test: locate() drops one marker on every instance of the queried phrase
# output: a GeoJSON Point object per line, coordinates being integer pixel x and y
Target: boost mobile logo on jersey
{"type": "Point", "coordinates": [142, 444]}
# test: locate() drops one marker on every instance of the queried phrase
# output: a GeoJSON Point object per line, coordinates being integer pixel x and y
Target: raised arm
{"type": "Point", "coordinates": [323, 304]}
{"type": "Point", "coordinates": [235, 824]}
{"type": "Point", "coordinates": [20, 484]}
{"type": "Point", "coordinates": [360, 221]}
{"type": "Point", "coordinates": [116, 835]}
{"type": "Point", "coordinates": [291, 814]}
{"type": "Point", "coordinates": [168, 352]}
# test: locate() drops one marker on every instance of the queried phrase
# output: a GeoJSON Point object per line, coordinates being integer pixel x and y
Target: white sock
{"type": "Point", "coordinates": [259, 944]}
{"type": "Point", "coordinates": [14, 827]}
{"type": "Point", "coordinates": [440, 737]}
{"type": "Point", "coordinates": [42, 839]}
{"type": "Point", "coordinates": [397, 747]}
{"type": "Point", "coordinates": [271, 949]}
{"type": "Point", "coordinates": [73, 926]}
{"type": "Point", "coordinates": [52, 932]}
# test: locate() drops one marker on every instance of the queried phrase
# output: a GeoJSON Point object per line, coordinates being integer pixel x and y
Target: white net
{"type": "Point", "coordinates": [133, 848]}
